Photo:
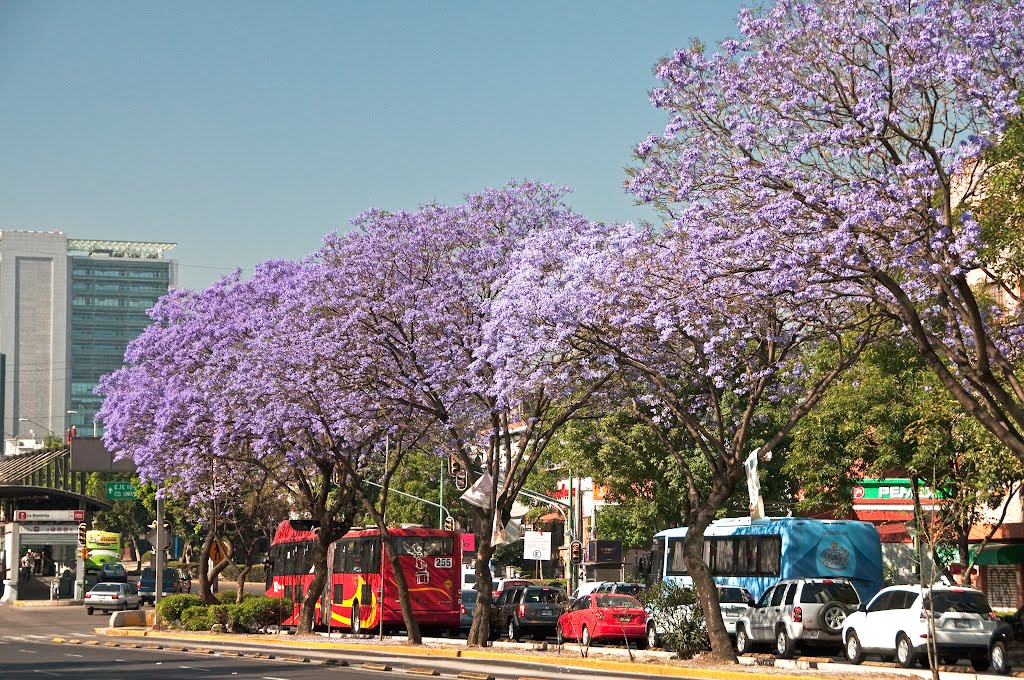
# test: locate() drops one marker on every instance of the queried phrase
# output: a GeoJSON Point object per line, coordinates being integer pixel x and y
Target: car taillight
{"type": "Point", "coordinates": [88, 595]}
{"type": "Point", "coordinates": [522, 609]}
{"type": "Point", "coordinates": [798, 614]}
{"type": "Point", "coordinates": [992, 616]}
{"type": "Point", "coordinates": [495, 593]}
{"type": "Point", "coordinates": [114, 596]}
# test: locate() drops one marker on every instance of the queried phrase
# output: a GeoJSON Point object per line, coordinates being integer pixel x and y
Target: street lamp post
{"type": "Point", "coordinates": [29, 420]}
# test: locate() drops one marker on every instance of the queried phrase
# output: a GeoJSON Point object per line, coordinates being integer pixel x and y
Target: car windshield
{"type": "Point", "coordinates": [545, 595]}
{"type": "Point", "coordinates": [617, 601]}
{"type": "Point", "coordinates": [628, 588]}
{"type": "Point", "coordinates": [733, 596]}
{"type": "Point", "coordinates": [970, 601]}
{"type": "Point", "coordinates": [106, 588]}
{"type": "Point", "coordinates": [829, 591]}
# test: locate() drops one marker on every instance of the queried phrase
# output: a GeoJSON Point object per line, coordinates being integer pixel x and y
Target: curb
{"type": "Point", "coordinates": [410, 651]}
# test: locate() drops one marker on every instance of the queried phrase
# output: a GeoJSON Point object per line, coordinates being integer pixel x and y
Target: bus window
{"type": "Point", "coordinates": [657, 561]}
{"type": "Point", "coordinates": [422, 546]}
{"type": "Point", "coordinates": [676, 565]}
{"type": "Point", "coordinates": [340, 555]}
{"type": "Point", "coordinates": [337, 597]}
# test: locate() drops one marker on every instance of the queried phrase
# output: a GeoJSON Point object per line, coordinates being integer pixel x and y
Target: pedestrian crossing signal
{"type": "Point", "coordinates": [82, 528]}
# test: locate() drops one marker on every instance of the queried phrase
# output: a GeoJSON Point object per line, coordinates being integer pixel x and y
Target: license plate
{"type": "Point", "coordinates": [625, 619]}
{"type": "Point", "coordinates": [545, 612]}
{"type": "Point", "coordinates": [961, 623]}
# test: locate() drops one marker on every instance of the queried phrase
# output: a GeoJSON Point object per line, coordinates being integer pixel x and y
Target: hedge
{"type": "Point", "coordinates": [172, 606]}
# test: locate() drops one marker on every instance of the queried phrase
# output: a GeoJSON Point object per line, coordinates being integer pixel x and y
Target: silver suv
{"type": "Point", "coordinates": [798, 612]}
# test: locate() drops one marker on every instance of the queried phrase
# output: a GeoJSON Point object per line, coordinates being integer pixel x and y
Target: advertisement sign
{"type": "Point", "coordinates": [889, 489]}
{"type": "Point", "coordinates": [102, 540]}
{"type": "Point", "coordinates": [49, 515]}
{"type": "Point", "coordinates": [536, 545]}
{"type": "Point", "coordinates": [604, 552]}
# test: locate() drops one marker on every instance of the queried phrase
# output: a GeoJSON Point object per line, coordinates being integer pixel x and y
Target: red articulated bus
{"type": "Point", "coordinates": [430, 558]}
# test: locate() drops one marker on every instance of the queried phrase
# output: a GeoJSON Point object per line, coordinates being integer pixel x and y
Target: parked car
{"type": "Point", "coordinates": [896, 623]}
{"type": "Point", "coordinates": [585, 589]}
{"type": "Point", "coordinates": [619, 587]}
{"type": "Point", "coordinates": [169, 585]}
{"type": "Point", "coordinates": [502, 583]}
{"type": "Point", "coordinates": [599, 616]}
{"type": "Point", "coordinates": [527, 610]}
{"type": "Point", "coordinates": [184, 579]}
{"type": "Point", "coordinates": [113, 572]}
{"type": "Point", "coordinates": [111, 596]}
{"type": "Point", "coordinates": [467, 608]}
{"type": "Point", "coordinates": [798, 613]}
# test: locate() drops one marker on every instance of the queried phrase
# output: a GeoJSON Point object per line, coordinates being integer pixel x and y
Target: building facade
{"type": "Point", "coordinates": [68, 309]}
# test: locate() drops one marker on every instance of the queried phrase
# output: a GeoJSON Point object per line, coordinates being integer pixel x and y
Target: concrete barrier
{"type": "Point", "coordinates": [138, 618]}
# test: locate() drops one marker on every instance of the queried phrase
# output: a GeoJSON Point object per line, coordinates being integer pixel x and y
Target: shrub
{"type": "Point", "coordinates": [258, 614]}
{"type": "Point", "coordinates": [172, 606]}
{"type": "Point", "coordinates": [678, 618]}
{"type": "Point", "coordinates": [196, 618]}
{"type": "Point", "coordinates": [228, 596]}
{"type": "Point", "coordinates": [257, 575]}
{"type": "Point", "coordinates": [226, 615]}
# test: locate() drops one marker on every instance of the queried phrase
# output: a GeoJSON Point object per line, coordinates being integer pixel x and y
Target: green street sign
{"type": "Point", "coordinates": [117, 491]}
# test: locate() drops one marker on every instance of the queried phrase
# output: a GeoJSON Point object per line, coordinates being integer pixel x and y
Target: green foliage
{"type": "Point", "coordinates": [196, 618]}
{"type": "Point", "coordinates": [171, 607]}
{"type": "Point", "coordinates": [679, 618]}
{"type": "Point", "coordinates": [259, 614]}
{"type": "Point", "coordinates": [226, 615]}
{"type": "Point", "coordinates": [257, 574]}
{"type": "Point", "coordinates": [229, 596]}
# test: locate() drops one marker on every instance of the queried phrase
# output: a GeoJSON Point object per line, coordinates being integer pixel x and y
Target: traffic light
{"type": "Point", "coordinates": [454, 466]}
{"type": "Point", "coordinates": [576, 552]}
{"type": "Point", "coordinates": [82, 528]}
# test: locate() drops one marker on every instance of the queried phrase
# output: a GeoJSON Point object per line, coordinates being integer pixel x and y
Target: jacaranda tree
{"type": "Point", "coordinates": [415, 291]}
{"type": "Point", "coordinates": [844, 141]}
{"type": "Point", "coordinates": [701, 353]}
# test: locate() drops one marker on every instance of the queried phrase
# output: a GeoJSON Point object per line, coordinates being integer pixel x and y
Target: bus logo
{"type": "Point", "coordinates": [443, 562]}
{"type": "Point", "coordinates": [835, 557]}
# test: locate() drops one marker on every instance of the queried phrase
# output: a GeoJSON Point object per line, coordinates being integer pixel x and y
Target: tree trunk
{"type": "Point", "coordinates": [411, 626]}
{"type": "Point", "coordinates": [204, 571]}
{"type": "Point", "coordinates": [479, 631]}
{"type": "Point", "coordinates": [242, 574]}
{"type": "Point", "coordinates": [316, 588]}
{"type": "Point", "coordinates": [707, 591]}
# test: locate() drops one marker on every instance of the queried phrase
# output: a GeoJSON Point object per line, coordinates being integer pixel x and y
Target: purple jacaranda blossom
{"type": "Point", "coordinates": [843, 142]}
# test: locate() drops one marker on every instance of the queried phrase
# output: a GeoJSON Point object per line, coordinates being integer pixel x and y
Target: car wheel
{"type": "Point", "coordinates": [585, 637]}
{"type": "Point", "coordinates": [998, 662]}
{"type": "Point", "coordinates": [88, 610]}
{"type": "Point", "coordinates": [559, 635]}
{"type": "Point", "coordinates": [854, 652]}
{"type": "Point", "coordinates": [357, 625]}
{"type": "Point", "coordinates": [904, 652]}
{"type": "Point", "coordinates": [652, 635]}
{"type": "Point", "coordinates": [512, 631]}
{"type": "Point", "coordinates": [832, 617]}
{"type": "Point", "coordinates": [743, 644]}
{"type": "Point", "coordinates": [783, 644]}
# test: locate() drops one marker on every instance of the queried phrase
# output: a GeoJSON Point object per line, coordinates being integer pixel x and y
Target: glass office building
{"type": "Point", "coordinates": [68, 309]}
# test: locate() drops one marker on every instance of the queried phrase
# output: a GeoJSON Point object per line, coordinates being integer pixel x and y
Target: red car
{"type": "Point", "coordinates": [604, 616]}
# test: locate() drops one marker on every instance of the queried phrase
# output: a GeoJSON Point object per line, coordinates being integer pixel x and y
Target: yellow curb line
{"type": "Point", "coordinates": [408, 650]}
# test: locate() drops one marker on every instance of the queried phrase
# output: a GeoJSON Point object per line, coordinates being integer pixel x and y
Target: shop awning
{"type": "Point", "coordinates": [1001, 553]}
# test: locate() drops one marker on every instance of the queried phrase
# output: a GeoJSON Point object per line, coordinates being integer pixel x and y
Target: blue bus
{"type": "Point", "coordinates": [756, 554]}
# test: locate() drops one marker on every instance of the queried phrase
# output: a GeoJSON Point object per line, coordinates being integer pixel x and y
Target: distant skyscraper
{"type": "Point", "coordinates": [68, 309]}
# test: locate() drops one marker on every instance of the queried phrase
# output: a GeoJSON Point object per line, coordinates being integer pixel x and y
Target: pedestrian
{"type": "Point", "coordinates": [26, 567]}
{"type": "Point", "coordinates": [37, 561]}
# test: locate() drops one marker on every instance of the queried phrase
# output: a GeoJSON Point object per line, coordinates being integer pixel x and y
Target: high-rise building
{"type": "Point", "coordinates": [68, 309]}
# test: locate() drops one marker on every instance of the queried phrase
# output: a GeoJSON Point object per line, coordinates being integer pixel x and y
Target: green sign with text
{"type": "Point", "coordinates": [117, 491]}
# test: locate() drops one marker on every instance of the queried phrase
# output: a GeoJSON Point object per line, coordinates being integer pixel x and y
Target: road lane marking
{"type": "Point", "coordinates": [27, 651]}
{"type": "Point", "coordinates": [46, 672]}
{"type": "Point", "coordinates": [196, 668]}
{"type": "Point", "coordinates": [78, 656]}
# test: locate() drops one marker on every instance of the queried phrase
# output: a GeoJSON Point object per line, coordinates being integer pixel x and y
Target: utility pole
{"type": "Point", "coordinates": [158, 550]}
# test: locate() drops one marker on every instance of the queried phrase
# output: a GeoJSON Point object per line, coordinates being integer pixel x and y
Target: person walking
{"type": "Point", "coordinates": [26, 567]}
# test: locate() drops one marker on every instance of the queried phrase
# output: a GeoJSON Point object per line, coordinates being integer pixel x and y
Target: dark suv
{"type": "Point", "coordinates": [169, 585]}
{"type": "Point", "coordinates": [527, 610]}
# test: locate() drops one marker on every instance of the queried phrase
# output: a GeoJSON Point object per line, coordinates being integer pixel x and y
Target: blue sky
{"type": "Point", "coordinates": [245, 131]}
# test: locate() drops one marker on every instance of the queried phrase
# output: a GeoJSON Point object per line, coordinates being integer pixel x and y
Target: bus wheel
{"type": "Point", "coordinates": [357, 626]}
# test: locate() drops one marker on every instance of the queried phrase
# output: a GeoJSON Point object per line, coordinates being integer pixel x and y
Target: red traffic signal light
{"type": "Point", "coordinates": [576, 552]}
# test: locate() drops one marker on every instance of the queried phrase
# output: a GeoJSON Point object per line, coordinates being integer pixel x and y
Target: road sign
{"type": "Point", "coordinates": [536, 545]}
{"type": "Point", "coordinates": [120, 490]}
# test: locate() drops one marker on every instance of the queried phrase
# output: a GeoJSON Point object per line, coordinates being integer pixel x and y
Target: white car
{"type": "Point", "coordinates": [895, 623]}
{"type": "Point", "coordinates": [111, 596]}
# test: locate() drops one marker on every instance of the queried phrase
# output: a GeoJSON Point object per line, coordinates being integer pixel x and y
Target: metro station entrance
{"type": "Point", "coordinates": [43, 507]}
